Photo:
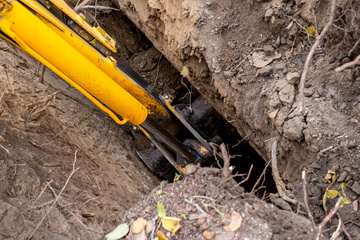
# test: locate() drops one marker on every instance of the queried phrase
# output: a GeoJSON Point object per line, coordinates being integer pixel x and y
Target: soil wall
{"type": "Point", "coordinates": [257, 92]}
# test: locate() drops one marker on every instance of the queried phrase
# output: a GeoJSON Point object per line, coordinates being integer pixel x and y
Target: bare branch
{"type": "Point", "coordinates": [247, 177]}
{"type": "Point", "coordinates": [328, 217]}
{"type": "Point", "coordinates": [356, 61]}
{"type": "Point", "coordinates": [310, 55]}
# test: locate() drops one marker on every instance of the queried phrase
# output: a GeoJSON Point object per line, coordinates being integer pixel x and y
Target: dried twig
{"type": "Point", "coordinates": [337, 231]}
{"type": "Point", "coordinates": [57, 196]}
{"type": "Point", "coordinates": [343, 227]}
{"type": "Point", "coordinates": [247, 177]}
{"type": "Point", "coordinates": [306, 199]}
{"type": "Point", "coordinates": [356, 61]}
{"type": "Point", "coordinates": [42, 191]}
{"type": "Point", "coordinates": [280, 185]}
{"type": "Point", "coordinates": [310, 55]}
{"type": "Point", "coordinates": [226, 157]}
{"type": "Point", "coordinates": [328, 217]}
{"type": "Point", "coordinates": [259, 179]}
{"type": "Point", "coordinates": [82, 224]}
{"type": "Point", "coordinates": [7, 151]}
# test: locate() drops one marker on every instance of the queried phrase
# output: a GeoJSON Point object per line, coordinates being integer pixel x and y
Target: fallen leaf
{"type": "Point", "coordinates": [184, 71]}
{"type": "Point", "coordinates": [355, 205]}
{"type": "Point", "coordinates": [161, 210]}
{"type": "Point", "coordinates": [260, 59]}
{"type": "Point", "coordinates": [161, 235]}
{"type": "Point", "coordinates": [208, 234]}
{"type": "Point", "coordinates": [170, 223]}
{"type": "Point", "coordinates": [329, 194]}
{"type": "Point", "coordinates": [235, 222]}
{"type": "Point", "coordinates": [177, 227]}
{"type": "Point", "coordinates": [138, 225]}
{"type": "Point", "coordinates": [330, 176]}
{"type": "Point", "coordinates": [273, 113]}
{"type": "Point", "coordinates": [312, 31]}
{"type": "Point", "coordinates": [119, 232]}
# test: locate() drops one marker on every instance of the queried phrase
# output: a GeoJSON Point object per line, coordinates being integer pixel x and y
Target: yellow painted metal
{"type": "Point", "coordinates": [50, 41]}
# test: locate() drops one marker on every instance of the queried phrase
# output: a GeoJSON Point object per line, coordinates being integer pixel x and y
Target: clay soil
{"type": "Point", "coordinates": [245, 58]}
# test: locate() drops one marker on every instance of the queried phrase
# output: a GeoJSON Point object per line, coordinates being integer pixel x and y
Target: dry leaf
{"type": "Point", "coordinates": [312, 31]}
{"type": "Point", "coordinates": [273, 113]}
{"type": "Point", "coordinates": [170, 223]}
{"type": "Point", "coordinates": [235, 222]}
{"type": "Point", "coordinates": [177, 227]}
{"type": "Point", "coordinates": [161, 210]}
{"type": "Point", "coordinates": [355, 205]}
{"type": "Point", "coordinates": [260, 59]}
{"type": "Point", "coordinates": [161, 235]}
{"type": "Point", "coordinates": [119, 232]}
{"type": "Point", "coordinates": [184, 71]}
{"type": "Point", "coordinates": [138, 225]}
{"type": "Point", "coordinates": [208, 234]}
{"type": "Point", "coordinates": [330, 176]}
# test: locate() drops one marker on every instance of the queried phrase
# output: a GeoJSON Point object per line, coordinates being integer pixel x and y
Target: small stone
{"type": "Point", "coordinates": [343, 176]}
{"type": "Point", "coordinates": [293, 129]}
{"type": "Point", "coordinates": [293, 77]}
{"type": "Point", "coordinates": [352, 144]}
{"type": "Point", "coordinates": [287, 94]}
{"type": "Point", "coordinates": [282, 204]}
{"type": "Point", "coordinates": [308, 92]}
{"type": "Point", "coordinates": [314, 149]}
{"type": "Point", "coordinates": [274, 101]}
{"type": "Point", "coordinates": [316, 166]}
{"type": "Point", "coordinates": [280, 84]}
{"type": "Point", "coordinates": [345, 60]}
{"type": "Point", "coordinates": [268, 49]}
{"type": "Point", "coordinates": [316, 94]}
{"type": "Point", "coordinates": [356, 187]}
{"type": "Point", "coordinates": [268, 14]}
{"type": "Point", "coordinates": [208, 235]}
{"type": "Point", "coordinates": [190, 169]}
{"type": "Point", "coordinates": [264, 72]}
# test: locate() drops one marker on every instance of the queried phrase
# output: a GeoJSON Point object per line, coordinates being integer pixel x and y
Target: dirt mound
{"type": "Point", "coordinates": [206, 203]}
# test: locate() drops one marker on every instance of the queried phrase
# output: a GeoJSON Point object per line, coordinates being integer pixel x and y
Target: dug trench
{"type": "Point", "coordinates": [45, 125]}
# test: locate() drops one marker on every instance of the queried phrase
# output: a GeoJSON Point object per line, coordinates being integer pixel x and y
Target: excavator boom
{"type": "Point", "coordinates": [51, 32]}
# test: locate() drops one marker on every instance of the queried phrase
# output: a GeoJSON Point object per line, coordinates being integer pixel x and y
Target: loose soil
{"type": "Point", "coordinates": [44, 122]}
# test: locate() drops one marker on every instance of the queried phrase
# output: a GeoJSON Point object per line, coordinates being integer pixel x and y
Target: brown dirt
{"type": "Point", "coordinates": [211, 38]}
{"type": "Point", "coordinates": [260, 220]}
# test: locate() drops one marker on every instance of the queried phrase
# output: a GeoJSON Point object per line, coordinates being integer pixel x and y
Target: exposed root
{"type": "Point", "coordinates": [353, 63]}
{"type": "Point", "coordinates": [280, 185]}
{"type": "Point", "coordinates": [328, 217]}
{"type": "Point", "coordinates": [310, 55]}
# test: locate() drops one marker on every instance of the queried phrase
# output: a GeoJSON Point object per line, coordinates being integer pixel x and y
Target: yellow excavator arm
{"type": "Point", "coordinates": [31, 26]}
{"type": "Point", "coordinates": [51, 32]}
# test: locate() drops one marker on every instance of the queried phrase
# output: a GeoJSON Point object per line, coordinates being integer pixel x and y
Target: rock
{"type": "Point", "coordinates": [274, 101]}
{"type": "Point", "coordinates": [280, 84]}
{"type": "Point", "coordinates": [314, 149]}
{"type": "Point", "coordinates": [268, 14]}
{"type": "Point", "coordinates": [287, 95]}
{"type": "Point", "coordinates": [264, 72]}
{"type": "Point", "coordinates": [343, 176]}
{"type": "Point", "coordinates": [280, 118]}
{"type": "Point", "coordinates": [308, 92]}
{"type": "Point", "coordinates": [356, 187]}
{"type": "Point", "coordinates": [208, 235]}
{"type": "Point", "coordinates": [268, 49]}
{"type": "Point", "coordinates": [281, 203]}
{"type": "Point", "coordinates": [352, 144]}
{"type": "Point", "coordinates": [293, 129]}
{"type": "Point", "coordinates": [277, 42]}
{"type": "Point", "coordinates": [293, 77]}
